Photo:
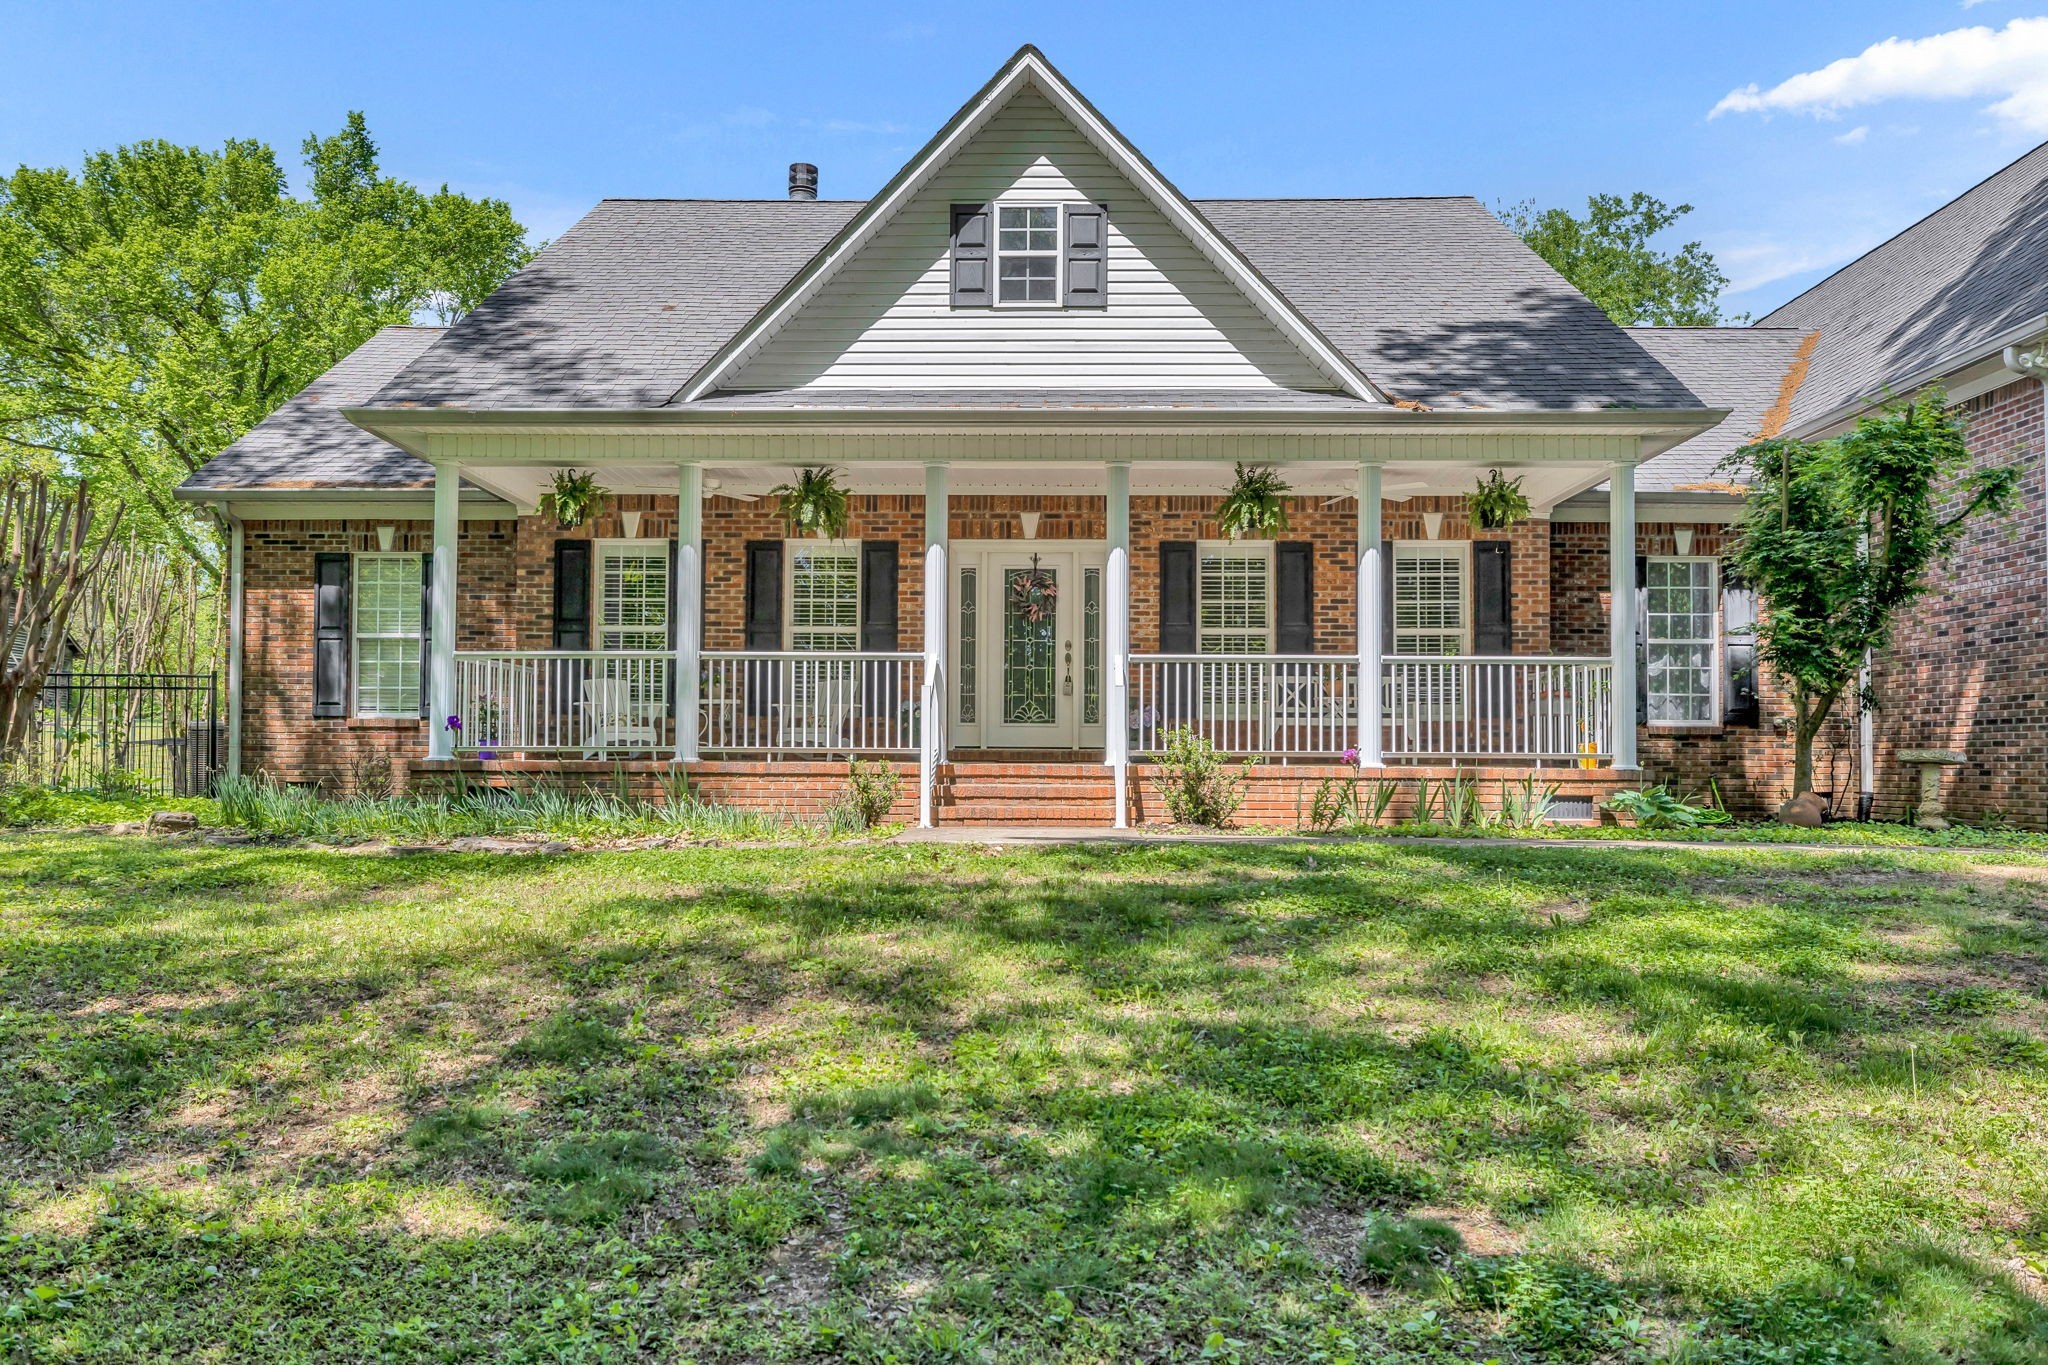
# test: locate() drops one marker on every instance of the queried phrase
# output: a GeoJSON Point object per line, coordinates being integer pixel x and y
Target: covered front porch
{"type": "Point", "coordinates": [1054, 613]}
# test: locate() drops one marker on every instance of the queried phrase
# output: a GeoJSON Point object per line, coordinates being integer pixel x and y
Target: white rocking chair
{"type": "Point", "coordinates": [612, 719]}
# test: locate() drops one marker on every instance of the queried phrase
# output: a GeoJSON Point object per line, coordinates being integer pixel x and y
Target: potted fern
{"type": "Point", "coordinates": [574, 497]}
{"type": "Point", "coordinates": [1497, 503]}
{"type": "Point", "coordinates": [814, 503]}
{"type": "Point", "coordinates": [1256, 504]}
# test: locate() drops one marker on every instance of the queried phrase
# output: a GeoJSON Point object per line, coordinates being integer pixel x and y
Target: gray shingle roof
{"type": "Point", "coordinates": [307, 443]}
{"type": "Point", "coordinates": [623, 307]}
{"type": "Point", "coordinates": [1433, 298]}
{"type": "Point", "coordinates": [1437, 301]}
{"type": "Point", "coordinates": [1946, 287]}
{"type": "Point", "coordinates": [1753, 371]}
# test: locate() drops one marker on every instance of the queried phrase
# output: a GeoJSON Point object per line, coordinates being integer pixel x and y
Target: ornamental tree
{"type": "Point", "coordinates": [1837, 536]}
{"type": "Point", "coordinates": [1607, 255]}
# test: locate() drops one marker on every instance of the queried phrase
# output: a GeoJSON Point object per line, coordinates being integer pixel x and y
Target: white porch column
{"type": "Point", "coordinates": [1621, 622]}
{"type": "Point", "coordinates": [1116, 640]}
{"type": "Point", "coordinates": [441, 654]}
{"type": "Point", "coordinates": [689, 606]}
{"type": "Point", "coordinates": [1371, 629]}
{"type": "Point", "coordinates": [931, 715]}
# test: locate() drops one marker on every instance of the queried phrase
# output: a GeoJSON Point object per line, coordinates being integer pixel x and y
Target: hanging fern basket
{"type": "Point", "coordinates": [1497, 503]}
{"type": "Point", "coordinates": [575, 495]}
{"type": "Point", "coordinates": [813, 504]}
{"type": "Point", "coordinates": [1256, 504]}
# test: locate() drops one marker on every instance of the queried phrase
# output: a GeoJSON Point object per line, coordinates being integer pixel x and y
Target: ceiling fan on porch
{"type": "Point", "coordinates": [1392, 492]}
{"type": "Point", "coordinates": [717, 486]}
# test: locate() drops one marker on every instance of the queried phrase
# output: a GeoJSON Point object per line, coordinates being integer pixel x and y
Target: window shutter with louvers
{"type": "Point", "coordinates": [763, 603]}
{"type": "Point", "coordinates": [973, 268]}
{"type": "Point", "coordinates": [1294, 597]}
{"type": "Point", "coordinates": [330, 636]}
{"type": "Point", "coordinates": [572, 594]}
{"type": "Point", "coordinates": [1087, 252]}
{"type": "Point", "coordinates": [1177, 597]}
{"type": "Point", "coordinates": [1642, 620]}
{"type": "Point", "coordinates": [1493, 627]}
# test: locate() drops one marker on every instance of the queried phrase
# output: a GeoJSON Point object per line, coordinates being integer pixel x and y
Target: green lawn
{"type": "Point", "coordinates": [909, 1103]}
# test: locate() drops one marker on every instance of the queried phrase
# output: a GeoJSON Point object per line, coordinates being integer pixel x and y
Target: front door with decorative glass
{"type": "Point", "coordinates": [1026, 655]}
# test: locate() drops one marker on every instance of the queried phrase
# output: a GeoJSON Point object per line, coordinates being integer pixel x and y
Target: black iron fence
{"type": "Point", "coordinates": [153, 732]}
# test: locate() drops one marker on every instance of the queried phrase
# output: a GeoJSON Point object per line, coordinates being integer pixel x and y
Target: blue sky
{"type": "Point", "coordinates": [553, 106]}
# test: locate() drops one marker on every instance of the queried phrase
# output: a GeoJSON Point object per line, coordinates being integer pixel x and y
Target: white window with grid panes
{"type": "Point", "coordinates": [1028, 253]}
{"type": "Point", "coordinates": [1432, 606]}
{"type": "Point", "coordinates": [1680, 640]}
{"type": "Point", "coordinates": [632, 595]}
{"type": "Point", "coordinates": [387, 634]}
{"type": "Point", "coordinates": [1234, 599]}
{"type": "Point", "coordinates": [824, 595]}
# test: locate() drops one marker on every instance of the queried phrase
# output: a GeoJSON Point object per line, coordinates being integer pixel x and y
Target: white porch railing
{"type": "Point", "coordinates": [1306, 706]}
{"type": "Point", "coordinates": [1498, 708]}
{"type": "Point", "coordinates": [555, 701]}
{"type": "Point", "coordinates": [797, 701]}
{"type": "Point", "coordinates": [1283, 705]}
{"type": "Point", "coordinates": [620, 702]}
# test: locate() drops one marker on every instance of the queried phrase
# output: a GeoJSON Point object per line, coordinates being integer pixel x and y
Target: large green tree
{"type": "Point", "coordinates": [158, 302]}
{"type": "Point", "coordinates": [1609, 257]}
{"type": "Point", "coordinates": [1837, 538]}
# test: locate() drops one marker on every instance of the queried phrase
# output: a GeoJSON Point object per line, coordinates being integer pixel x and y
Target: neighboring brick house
{"type": "Point", "coordinates": [1034, 366]}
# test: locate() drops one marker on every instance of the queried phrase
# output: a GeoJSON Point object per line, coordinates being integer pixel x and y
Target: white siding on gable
{"type": "Point", "coordinates": [886, 319]}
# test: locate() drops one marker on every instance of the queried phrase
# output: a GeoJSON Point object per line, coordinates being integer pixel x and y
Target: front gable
{"type": "Point", "coordinates": [877, 310]}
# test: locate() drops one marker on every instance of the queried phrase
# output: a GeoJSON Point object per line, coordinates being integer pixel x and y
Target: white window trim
{"type": "Point", "coordinates": [356, 638]}
{"type": "Point", "coordinates": [789, 587]}
{"type": "Point", "coordinates": [600, 548]}
{"type": "Point", "coordinates": [1059, 255]}
{"type": "Point", "coordinates": [1464, 549]}
{"type": "Point", "coordinates": [1253, 549]}
{"type": "Point", "coordinates": [1715, 666]}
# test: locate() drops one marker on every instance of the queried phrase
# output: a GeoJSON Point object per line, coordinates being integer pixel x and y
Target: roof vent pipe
{"type": "Point", "coordinates": [803, 180]}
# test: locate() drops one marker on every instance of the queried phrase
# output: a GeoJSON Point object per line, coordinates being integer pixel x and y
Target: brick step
{"type": "Point", "coordinates": [1095, 813]}
{"type": "Point", "coordinates": [1028, 791]}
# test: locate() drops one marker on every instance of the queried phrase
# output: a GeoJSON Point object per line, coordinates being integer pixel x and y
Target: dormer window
{"type": "Point", "coordinates": [1028, 253]}
{"type": "Point", "coordinates": [1030, 256]}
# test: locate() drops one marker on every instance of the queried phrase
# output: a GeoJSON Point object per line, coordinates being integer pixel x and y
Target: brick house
{"type": "Point", "coordinates": [1034, 367]}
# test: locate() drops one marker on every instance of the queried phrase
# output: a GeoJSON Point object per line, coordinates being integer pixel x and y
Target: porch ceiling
{"type": "Point", "coordinates": [1545, 484]}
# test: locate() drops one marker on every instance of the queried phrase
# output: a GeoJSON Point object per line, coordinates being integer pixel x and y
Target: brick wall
{"type": "Point", "coordinates": [1967, 667]}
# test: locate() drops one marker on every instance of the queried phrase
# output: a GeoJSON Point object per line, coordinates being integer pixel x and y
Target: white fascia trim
{"type": "Point", "coordinates": [1028, 67]}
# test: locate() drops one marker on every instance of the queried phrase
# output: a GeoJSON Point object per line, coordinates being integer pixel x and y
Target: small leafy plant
{"type": "Point", "coordinates": [814, 504]}
{"type": "Point", "coordinates": [872, 788]}
{"type": "Point", "coordinates": [1196, 783]}
{"type": "Point", "coordinates": [1256, 504]}
{"type": "Point", "coordinates": [1497, 503]}
{"type": "Point", "coordinates": [574, 497]}
{"type": "Point", "coordinates": [1659, 807]}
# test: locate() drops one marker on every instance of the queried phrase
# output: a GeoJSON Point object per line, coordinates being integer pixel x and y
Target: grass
{"type": "Point", "coordinates": [1306, 1102]}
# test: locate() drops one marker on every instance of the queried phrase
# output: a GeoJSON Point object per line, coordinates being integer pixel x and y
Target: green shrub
{"type": "Point", "coordinates": [872, 788]}
{"type": "Point", "coordinates": [1196, 783]}
{"type": "Point", "coordinates": [1659, 807]}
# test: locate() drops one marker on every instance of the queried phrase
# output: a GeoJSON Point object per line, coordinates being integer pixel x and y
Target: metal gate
{"type": "Point", "coordinates": [153, 732]}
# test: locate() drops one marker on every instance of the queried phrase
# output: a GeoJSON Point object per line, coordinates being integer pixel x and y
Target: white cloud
{"type": "Point", "coordinates": [1854, 135]}
{"type": "Point", "coordinates": [1760, 261]}
{"type": "Point", "coordinates": [2008, 64]}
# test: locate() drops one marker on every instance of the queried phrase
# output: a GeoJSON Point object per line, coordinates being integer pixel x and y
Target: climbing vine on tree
{"type": "Point", "coordinates": [1837, 537]}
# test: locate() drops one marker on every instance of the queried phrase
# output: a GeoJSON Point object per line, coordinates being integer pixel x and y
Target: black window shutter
{"type": "Point", "coordinates": [330, 635]}
{"type": "Point", "coordinates": [1294, 597]}
{"type": "Point", "coordinates": [763, 594]}
{"type": "Point", "coordinates": [973, 268]}
{"type": "Point", "coordinates": [675, 625]}
{"type": "Point", "coordinates": [1177, 597]}
{"type": "Point", "coordinates": [1740, 704]}
{"type": "Point", "coordinates": [572, 594]}
{"type": "Point", "coordinates": [1087, 250]}
{"type": "Point", "coordinates": [426, 633]}
{"type": "Point", "coordinates": [1642, 618]}
{"type": "Point", "coordinates": [878, 624]}
{"type": "Point", "coordinates": [1493, 626]}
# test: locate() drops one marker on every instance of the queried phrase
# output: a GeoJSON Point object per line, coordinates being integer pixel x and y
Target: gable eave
{"type": "Point", "coordinates": [1029, 66]}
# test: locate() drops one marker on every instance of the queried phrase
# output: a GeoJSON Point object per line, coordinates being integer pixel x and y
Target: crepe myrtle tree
{"type": "Point", "coordinates": [1837, 537]}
